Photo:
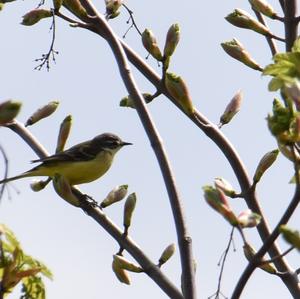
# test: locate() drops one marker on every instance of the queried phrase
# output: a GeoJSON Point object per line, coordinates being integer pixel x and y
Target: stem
{"type": "Point", "coordinates": [269, 39]}
{"type": "Point", "coordinates": [184, 241]}
{"type": "Point", "coordinates": [148, 266]}
{"type": "Point", "coordinates": [290, 279]}
{"type": "Point", "coordinates": [290, 23]}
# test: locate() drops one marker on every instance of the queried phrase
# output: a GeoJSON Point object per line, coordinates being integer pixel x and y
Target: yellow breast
{"type": "Point", "coordinates": [80, 172]}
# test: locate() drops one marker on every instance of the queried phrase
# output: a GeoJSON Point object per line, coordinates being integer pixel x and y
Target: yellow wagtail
{"type": "Point", "coordinates": [82, 163]}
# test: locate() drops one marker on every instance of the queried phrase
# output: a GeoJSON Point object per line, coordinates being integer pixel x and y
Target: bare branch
{"type": "Point", "coordinates": [290, 280]}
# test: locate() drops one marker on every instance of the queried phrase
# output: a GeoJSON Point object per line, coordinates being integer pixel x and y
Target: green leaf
{"type": "Point", "coordinates": [296, 46]}
{"type": "Point", "coordinates": [33, 288]}
{"type": "Point", "coordinates": [275, 84]}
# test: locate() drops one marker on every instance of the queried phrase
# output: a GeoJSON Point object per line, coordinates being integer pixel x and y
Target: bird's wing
{"type": "Point", "coordinates": [80, 152]}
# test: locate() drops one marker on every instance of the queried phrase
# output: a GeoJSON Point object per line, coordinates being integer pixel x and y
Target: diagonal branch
{"type": "Point", "coordinates": [269, 39]}
{"type": "Point", "coordinates": [292, 277]}
{"type": "Point", "coordinates": [150, 268]}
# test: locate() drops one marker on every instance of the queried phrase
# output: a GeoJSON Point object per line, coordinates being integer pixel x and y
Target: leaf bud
{"type": "Point", "coordinates": [75, 7]}
{"type": "Point", "coordinates": [34, 16]}
{"type": "Point", "coordinates": [150, 44]}
{"type": "Point", "coordinates": [123, 263]}
{"type": "Point", "coordinates": [266, 161]}
{"type": "Point", "coordinates": [237, 51]}
{"type": "Point", "coordinates": [249, 253]}
{"type": "Point", "coordinates": [218, 201]}
{"type": "Point", "coordinates": [115, 195]}
{"type": "Point", "coordinates": [121, 274]}
{"type": "Point", "coordinates": [128, 101]}
{"type": "Point", "coordinates": [291, 236]}
{"type": "Point", "coordinates": [112, 7]}
{"type": "Point", "coordinates": [248, 219]}
{"type": "Point", "coordinates": [263, 7]}
{"type": "Point", "coordinates": [9, 110]}
{"type": "Point", "coordinates": [232, 109]}
{"type": "Point", "coordinates": [224, 186]}
{"type": "Point", "coordinates": [177, 88]}
{"type": "Point", "coordinates": [42, 112]}
{"type": "Point", "coordinates": [63, 134]}
{"type": "Point", "coordinates": [128, 209]}
{"type": "Point", "coordinates": [38, 185]}
{"type": "Point", "coordinates": [242, 19]}
{"type": "Point", "coordinates": [167, 254]}
{"type": "Point", "coordinates": [172, 40]}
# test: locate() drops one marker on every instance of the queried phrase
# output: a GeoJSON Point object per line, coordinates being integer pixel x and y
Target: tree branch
{"type": "Point", "coordinates": [290, 23]}
{"type": "Point", "coordinates": [269, 39]}
{"type": "Point", "coordinates": [149, 267]}
{"type": "Point", "coordinates": [290, 278]}
{"type": "Point", "coordinates": [184, 240]}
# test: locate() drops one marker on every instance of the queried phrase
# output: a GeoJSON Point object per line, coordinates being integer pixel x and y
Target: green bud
{"type": "Point", "coordinates": [128, 101]}
{"type": "Point", "coordinates": [57, 4]}
{"type": "Point", "coordinates": [112, 7]}
{"type": "Point", "coordinates": [172, 40]}
{"type": "Point", "coordinates": [249, 252]}
{"type": "Point", "coordinates": [121, 274]}
{"type": "Point", "coordinates": [34, 16]}
{"type": "Point", "coordinates": [177, 88]}
{"type": "Point", "coordinates": [236, 50]}
{"type": "Point", "coordinates": [263, 7]}
{"type": "Point", "coordinates": [224, 186]}
{"type": "Point", "coordinates": [39, 185]}
{"type": "Point", "coordinates": [42, 112]}
{"type": "Point", "coordinates": [248, 219]}
{"type": "Point", "coordinates": [128, 209]}
{"type": "Point", "coordinates": [242, 19]}
{"type": "Point", "coordinates": [115, 195]}
{"type": "Point", "coordinates": [232, 109]}
{"type": "Point", "coordinates": [63, 134]}
{"type": "Point", "coordinates": [64, 190]}
{"type": "Point", "coordinates": [123, 263]}
{"type": "Point", "coordinates": [150, 44]}
{"type": "Point", "coordinates": [291, 236]}
{"type": "Point", "coordinates": [266, 161]}
{"type": "Point", "coordinates": [167, 254]}
{"type": "Point", "coordinates": [9, 110]}
{"type": "Point", "coordinates": [218, 201]}
{"type": "Point", "coordinates": [75, 7]}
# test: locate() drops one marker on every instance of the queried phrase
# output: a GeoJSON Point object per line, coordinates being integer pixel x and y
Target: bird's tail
{"type": "Point", "coordinates": [23, 175]}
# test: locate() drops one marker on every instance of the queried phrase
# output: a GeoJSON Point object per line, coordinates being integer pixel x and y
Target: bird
{"type": "Point", "coordinates": [81, 163]}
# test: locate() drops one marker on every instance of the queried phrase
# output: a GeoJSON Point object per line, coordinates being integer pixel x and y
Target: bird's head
{"type": "Point", "coordinates": [109, 141]}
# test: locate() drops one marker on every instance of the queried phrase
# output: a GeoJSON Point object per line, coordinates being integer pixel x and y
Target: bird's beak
{"type": "Point", "coordinates": [126, 143]}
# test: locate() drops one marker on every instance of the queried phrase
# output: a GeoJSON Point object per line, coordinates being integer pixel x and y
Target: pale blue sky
{"type": "Point", "coordinates": [85, 80]}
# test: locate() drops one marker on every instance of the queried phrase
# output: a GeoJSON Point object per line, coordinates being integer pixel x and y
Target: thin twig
{"type": "Point", "coordinates": [269, 39]}
{"type": "Point", "coordinates": [45, 59]}
{"type": "Point", "coordinates": [133, 23]}
{"type": "Point", "coordinates": [276, 257]}
{"type": "Point", "coordinates": [223, 260]}
{"type": "Point", "coordinates": [5, 170]}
